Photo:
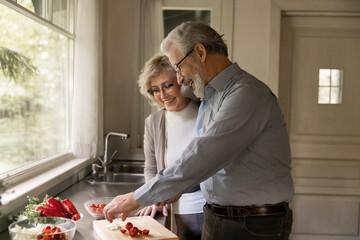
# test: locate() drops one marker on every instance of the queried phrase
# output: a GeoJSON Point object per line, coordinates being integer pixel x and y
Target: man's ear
{"type": "Point", "coordinates": [200, 50]}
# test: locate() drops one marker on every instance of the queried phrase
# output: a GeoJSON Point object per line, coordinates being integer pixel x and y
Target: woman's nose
{"type": "Point", "coordinates": [163, 93]}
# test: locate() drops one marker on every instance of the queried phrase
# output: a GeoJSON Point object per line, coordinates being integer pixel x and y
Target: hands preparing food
{"type": "Point", "coordinates": [122, 204]}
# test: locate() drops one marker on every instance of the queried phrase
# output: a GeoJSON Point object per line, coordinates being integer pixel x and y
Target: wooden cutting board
{"type": "Point", "coordinates": [157, 231]}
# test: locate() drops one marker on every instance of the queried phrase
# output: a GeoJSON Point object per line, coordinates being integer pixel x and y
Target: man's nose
{"type": "Point", "coordinates": [180, 78]}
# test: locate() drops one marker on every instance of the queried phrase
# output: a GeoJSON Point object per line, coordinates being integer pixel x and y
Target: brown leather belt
{"type": "Point", "coordinates": [249, 211]}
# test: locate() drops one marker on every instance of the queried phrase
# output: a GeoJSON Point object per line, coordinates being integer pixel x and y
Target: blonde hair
{"type": "Point", "coordinates": [153, 67]}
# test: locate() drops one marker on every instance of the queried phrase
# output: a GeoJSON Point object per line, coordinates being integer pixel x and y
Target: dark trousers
{"type": "Point", "coordinates": [272, 227]}
{"type": "Point", "coordinates": [189, 226]}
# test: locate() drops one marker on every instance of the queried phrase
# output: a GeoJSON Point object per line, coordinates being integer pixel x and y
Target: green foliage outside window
{"type": "Point", "coordinates": [34, 83]}
{"type": "Point", "coordinates": [15, 66]}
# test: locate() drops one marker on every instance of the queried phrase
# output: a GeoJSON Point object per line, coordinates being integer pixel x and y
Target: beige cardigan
{"type": "Point", "coordinates": [154, 148]}
{"type": "Point", "coordinates": [154, 144]}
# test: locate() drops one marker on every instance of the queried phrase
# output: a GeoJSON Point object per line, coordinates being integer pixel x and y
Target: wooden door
{"type": "Point", "coordinates": [325, 138]}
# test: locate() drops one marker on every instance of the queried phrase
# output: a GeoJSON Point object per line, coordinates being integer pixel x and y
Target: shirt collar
{"type": "Point", "coordinates": [220, 80]}
{"type": "Point", "coordinates": [209, 91]}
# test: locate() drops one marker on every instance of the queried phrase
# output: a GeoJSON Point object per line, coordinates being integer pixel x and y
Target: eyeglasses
{"type": "Point", "coordinates": [166, 88]}
{"type": "Point", "coordinates": [176, 66]}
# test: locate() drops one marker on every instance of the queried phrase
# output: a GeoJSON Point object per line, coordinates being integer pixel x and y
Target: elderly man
{"type": "Point", "coordinates": [242, 155]}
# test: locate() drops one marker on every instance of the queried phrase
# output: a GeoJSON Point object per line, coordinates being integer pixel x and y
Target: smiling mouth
{"type": "Point", "coordinates": [169, 101]}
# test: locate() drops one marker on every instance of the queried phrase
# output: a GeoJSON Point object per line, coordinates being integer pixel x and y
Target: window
{"type": "Point", "coordinates": [36, 52]}
{"type": "Point", "coordinates": [59, 12]}
{"type": "Point", "coordinates": [330, 86]}
{"type": "Point", "coordinates": [174, 17]}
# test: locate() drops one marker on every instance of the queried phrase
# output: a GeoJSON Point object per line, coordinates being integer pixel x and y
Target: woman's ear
{"type": "Point", "coordinates": [200, 50]}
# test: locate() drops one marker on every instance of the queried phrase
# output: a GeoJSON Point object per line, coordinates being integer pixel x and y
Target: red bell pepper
{"type": "Point", "coordinates": [69, 207]}
{"type": "Point", "coordinates": [53, 203]}
{"type": "Point", "coordinates": [75, 217]}
{"type": "Point", "coordinates": [50, 212]}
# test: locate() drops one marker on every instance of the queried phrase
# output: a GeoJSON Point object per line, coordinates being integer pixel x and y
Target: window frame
{"type": "Point", "coordinates": [331, 86]}
{"type": "Point", "coordinates": [17, 176]}
{"type": "Point", "coordinates": [46, 22]}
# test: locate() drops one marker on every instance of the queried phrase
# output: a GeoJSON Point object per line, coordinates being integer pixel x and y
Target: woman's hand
{"type": "Point", "coordinates": [152, 210]}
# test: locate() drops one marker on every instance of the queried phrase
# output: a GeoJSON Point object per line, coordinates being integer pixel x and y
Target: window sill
{"type": "Point", "coordinates": [52, 181]}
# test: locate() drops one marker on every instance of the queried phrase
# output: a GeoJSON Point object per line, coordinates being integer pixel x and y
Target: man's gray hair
{"type": "Point", "coordinates": [186, 35]}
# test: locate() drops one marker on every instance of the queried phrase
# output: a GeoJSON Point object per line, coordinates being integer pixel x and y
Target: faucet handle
{"type": "Point", "coordinates": [101, 160]}
{"type": "Point", "coordinates": [112, 155]}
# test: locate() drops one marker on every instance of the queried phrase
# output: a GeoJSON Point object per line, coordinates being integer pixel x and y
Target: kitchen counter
{"type": "Point", "coordinates": [82, 192]}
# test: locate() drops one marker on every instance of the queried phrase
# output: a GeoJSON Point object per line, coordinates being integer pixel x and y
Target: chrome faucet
{"type": "Point", "coordinates": [106, 160]}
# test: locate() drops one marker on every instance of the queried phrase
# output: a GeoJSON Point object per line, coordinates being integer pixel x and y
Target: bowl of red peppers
{"type": "Point", "coordinates": [50, 207]}
{"type": "Point", "coordinates": [44, 228]}
{"type": "Point", "coordinates": [59, 208]}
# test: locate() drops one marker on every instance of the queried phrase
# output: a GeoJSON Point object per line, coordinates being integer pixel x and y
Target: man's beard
{"type": "Point", "coordinates": [198, 86]}
{"type": "Point", "coordinates": [194, 85]}
{"type": "Point", "coordinates": [188, 92]}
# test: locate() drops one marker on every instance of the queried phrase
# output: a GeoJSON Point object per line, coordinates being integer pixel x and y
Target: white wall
{"type": "Point", "coordinates": [256, 39]}
{"type": "Point", "coordinates": [251, 45]}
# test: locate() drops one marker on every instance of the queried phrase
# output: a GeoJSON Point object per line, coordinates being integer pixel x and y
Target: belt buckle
{"type": "Point", "coordinates": [244, 212]}
{"type": "Point", "coordinates": [230, 212]}
{"type": "Point", "coordinates": [233, 212]}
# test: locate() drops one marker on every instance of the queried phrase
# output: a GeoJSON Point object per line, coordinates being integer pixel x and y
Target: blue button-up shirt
{"type": "Point", "coordinates": [242, 156]}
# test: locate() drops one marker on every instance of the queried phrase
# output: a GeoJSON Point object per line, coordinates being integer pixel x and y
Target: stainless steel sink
{"type": "Point", "coordinates": [119, 172]}
{"type": "Point", "coordinates": [136, 167]}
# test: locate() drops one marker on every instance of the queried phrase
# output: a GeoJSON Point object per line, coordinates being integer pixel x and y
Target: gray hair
{"type": "Point", "coordinates": [186, 35]}
{"type": "Point", "coordinates": [153, 67]}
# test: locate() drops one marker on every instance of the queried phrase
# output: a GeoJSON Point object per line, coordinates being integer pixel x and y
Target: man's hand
{"type": "Point", "coordinates": [152, 210]}
{"type": "Point", "coordinates": [122, 204]}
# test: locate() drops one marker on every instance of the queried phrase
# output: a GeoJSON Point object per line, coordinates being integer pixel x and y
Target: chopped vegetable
{"type": "Point", "coordinates": [49, 233]}
{"type": "Point", "coordinates": [132, 230]}
{"type": "Point", "coordinates": [128, 225]}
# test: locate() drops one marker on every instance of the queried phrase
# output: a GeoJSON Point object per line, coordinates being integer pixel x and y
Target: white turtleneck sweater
{"type": "Point", "coordinates": [180, 130]}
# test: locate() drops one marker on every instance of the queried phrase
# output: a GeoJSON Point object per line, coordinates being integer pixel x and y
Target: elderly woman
{"type": "Point", "coordinates": [167, 133]}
